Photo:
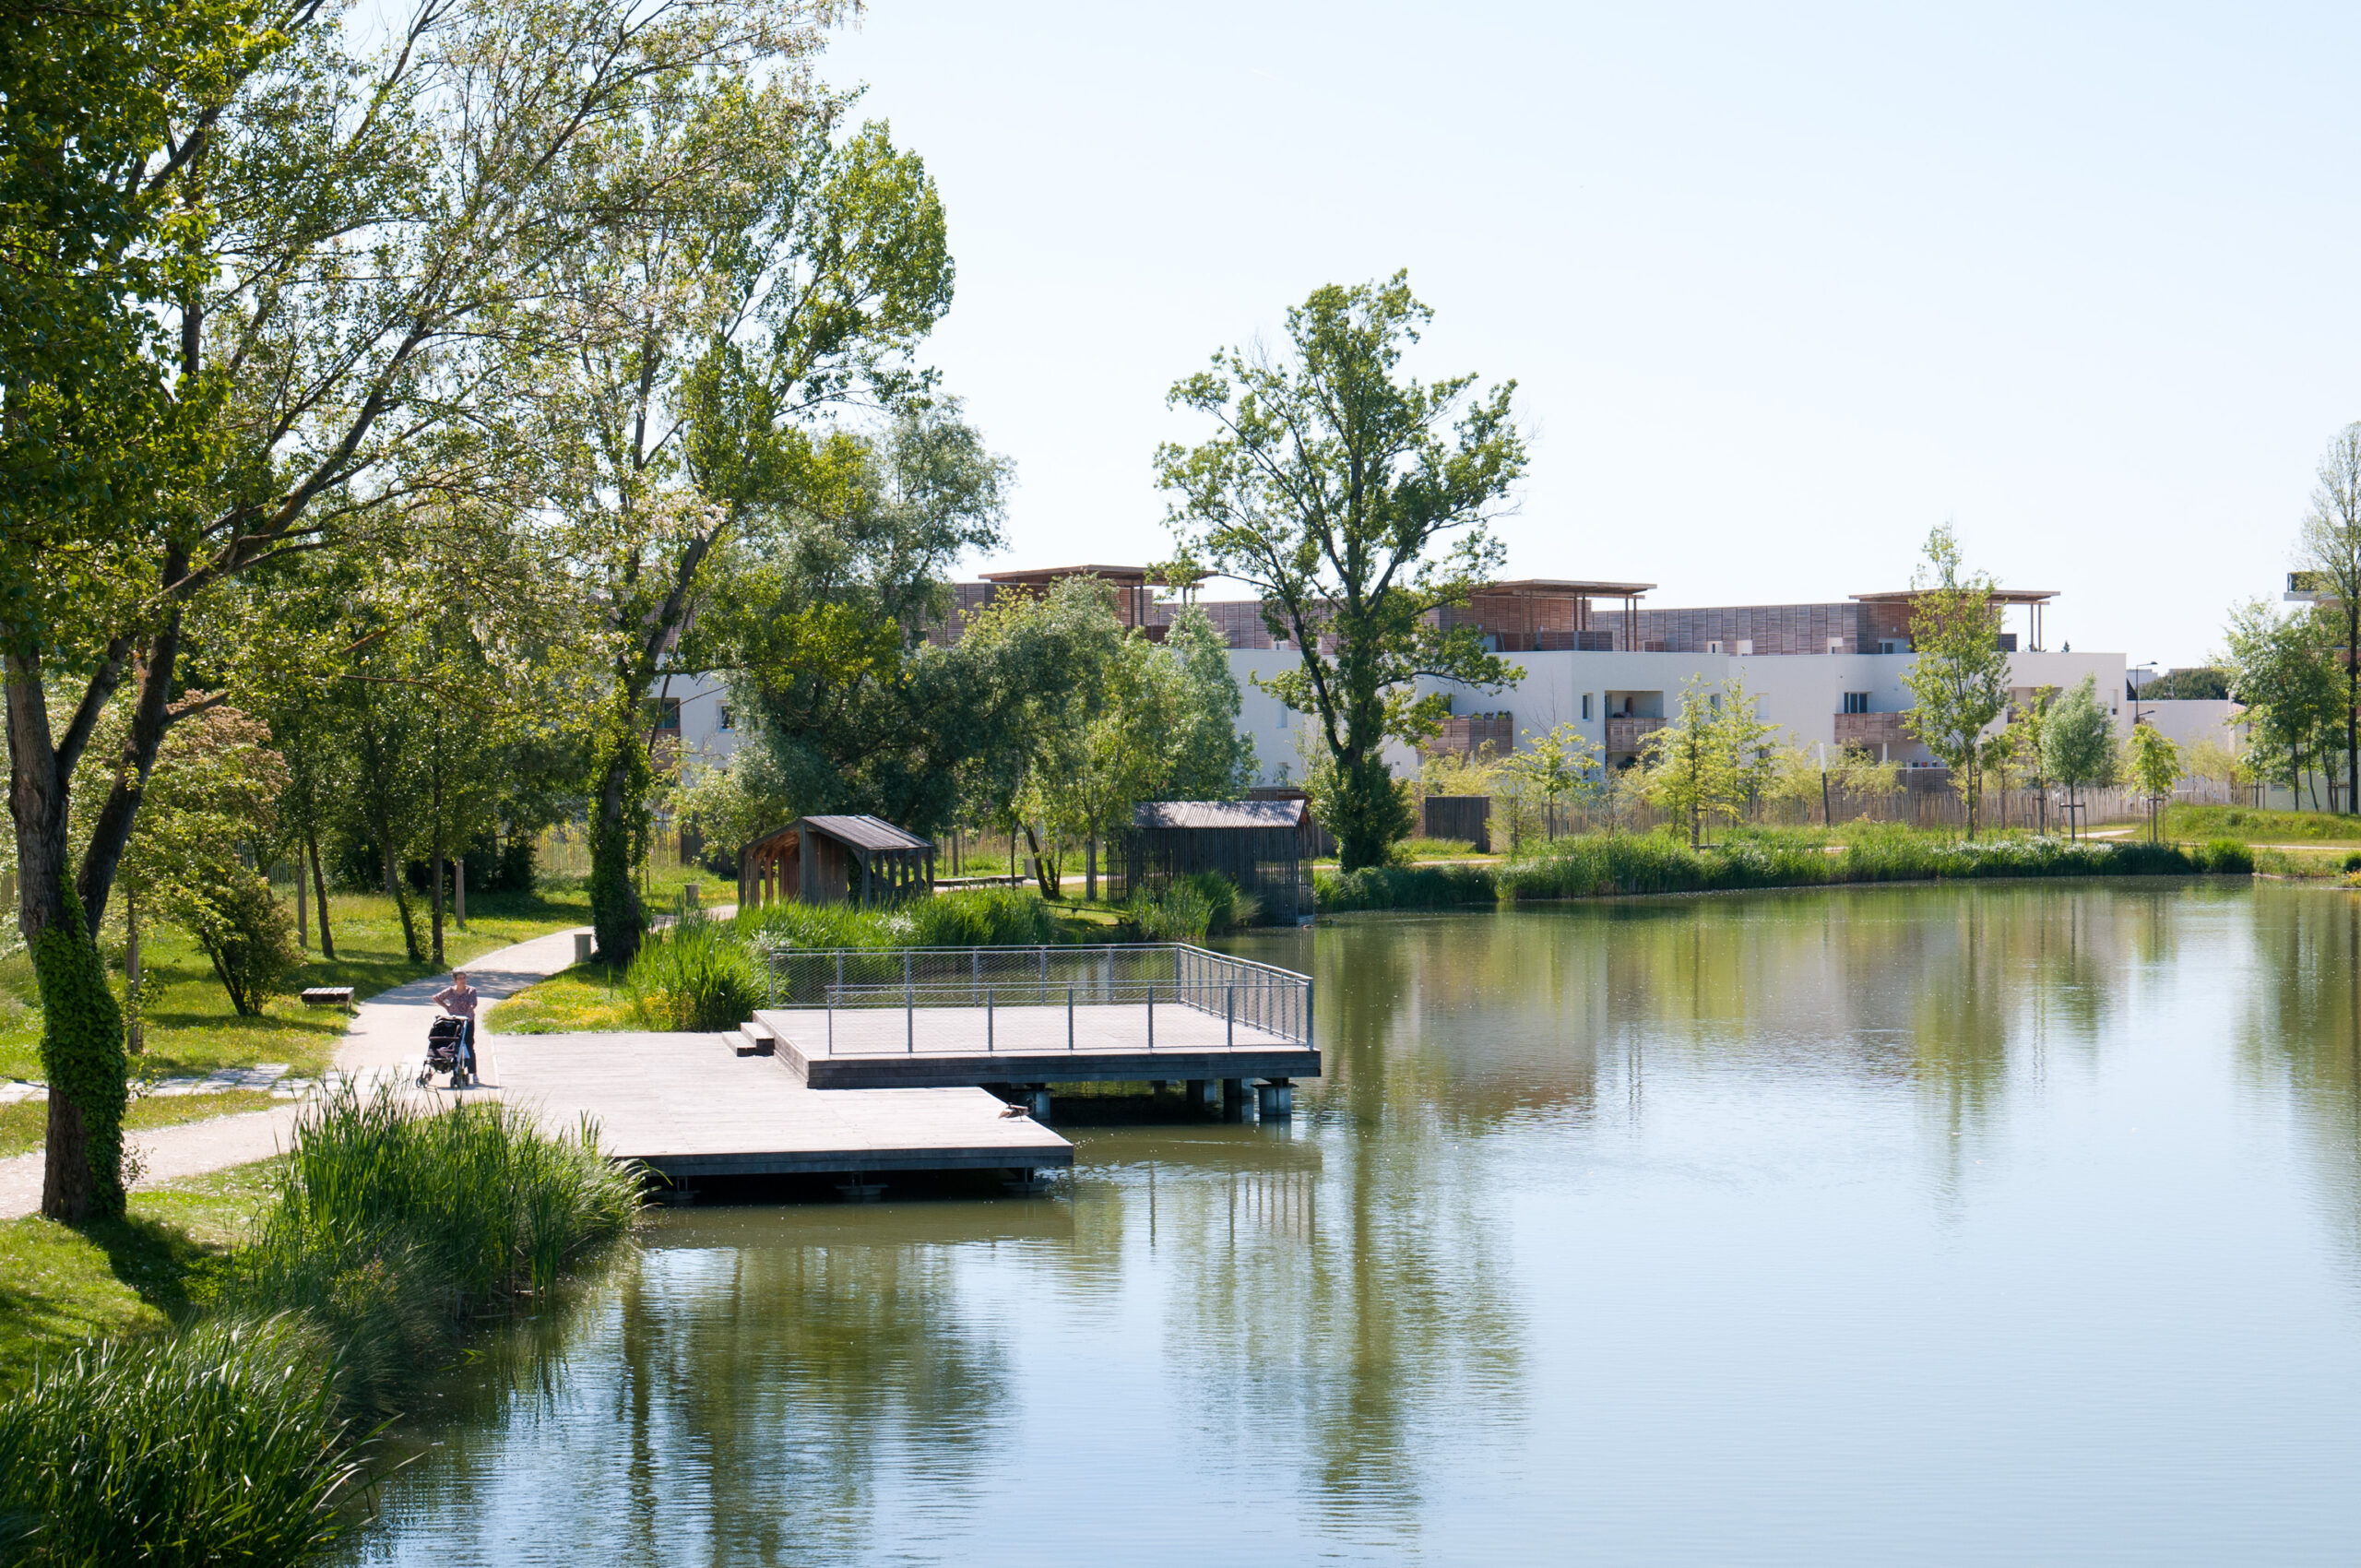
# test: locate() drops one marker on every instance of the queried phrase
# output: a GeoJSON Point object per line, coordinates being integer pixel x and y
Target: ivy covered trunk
{"type": "Point", "coordinates": [1369, 813]}
{"type": "Point", "coordinates": [618, 833]}
{"type": "Point", "coordinates": [82, 1055]}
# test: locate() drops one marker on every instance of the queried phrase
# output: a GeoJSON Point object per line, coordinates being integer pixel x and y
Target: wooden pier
{"type": "Point", "coordinates": [688, 1106]}
{"type": "Point", "coordinates": [1106, 1042]}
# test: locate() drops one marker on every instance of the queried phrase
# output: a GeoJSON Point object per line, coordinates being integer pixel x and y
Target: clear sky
{"type": "Point", "coordinates": [1782, 287]}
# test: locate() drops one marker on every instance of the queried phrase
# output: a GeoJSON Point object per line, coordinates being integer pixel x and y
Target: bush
{"type": "Point", "coordinates": [1181, 909]}
{"type": "Point", "coordinates": [2232, 858]}
{"type": "Point", "coordinates": [697, 975]}
{"type": "Point", "coordinates": [245, 931]}
{"type": "Point", "coordinates": [223, 1444]}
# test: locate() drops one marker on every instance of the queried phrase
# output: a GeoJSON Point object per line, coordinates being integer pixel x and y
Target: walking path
{"type": "Point", "coordinates": [387, 1039]}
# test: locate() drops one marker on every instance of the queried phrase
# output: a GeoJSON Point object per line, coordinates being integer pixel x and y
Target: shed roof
{"type": "Point", "coordinates": [860, 832]}
{"type": "Point", "coordinates": [1220, 814]}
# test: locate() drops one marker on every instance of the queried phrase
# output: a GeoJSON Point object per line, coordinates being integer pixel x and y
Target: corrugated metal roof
{"type": "Point", "coordinates": [1220, 814]}
{"type": "Point", "coordinates": [867, 832]}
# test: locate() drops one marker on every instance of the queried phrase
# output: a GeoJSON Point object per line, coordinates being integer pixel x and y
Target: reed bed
{"type": "Point", "coordinates": [236, 1439]}
{"type": "Point", "coordinates": [1609, 864]}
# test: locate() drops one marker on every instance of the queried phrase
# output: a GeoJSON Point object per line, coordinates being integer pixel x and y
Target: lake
{"type": "Point", "coordinates": [1924, 1225]}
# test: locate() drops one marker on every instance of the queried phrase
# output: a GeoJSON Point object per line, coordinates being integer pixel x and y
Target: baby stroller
{"type": "Point", "coordinates": [444, 1038]}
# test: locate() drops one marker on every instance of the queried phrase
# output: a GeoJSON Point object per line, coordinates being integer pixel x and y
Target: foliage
{"type": "Point", "coordinates": [693, 976]}
{"type": "Point", "coordinates": [2253, 824]}
{"type": "Point", "coordinates": [2153, 763]}
{"type": "Point", "coordinates": [2206, 683]}
{"type": "Point", "coordinates": [222, 1444]}
{"type": "Point", "coordinates": [2281, 668]}
{"type": "Point", "coordinates": [1331, 491]}
{"type": "Point", "coordinates": [82, 1059]}
{"type": "Point", "coordinates": [1711, 761]}
{"type": "Point", "coordinates": [1960, 679]}
{"type": "Point", "coordinates": [245, 931]}
{"type": "Point", "coordinates": [619, 828]}
{"type": "Point", "coordinates": [1560, 766]}
{"type": "Point", "coordinates": [2331, 548]}
{"type": "Point", "coordinates": [1603, 865]}
{"type": "Point", "coordinates": [1184, 908]}
{"type": "Point", "coordinates": [392, 1225]}
{"type": "Point", "coordinates": [2078, 743]}
{"type": "Point", "coordinates": [2025, 745]}
{"type": "Point", "coordinates": [974, 916]}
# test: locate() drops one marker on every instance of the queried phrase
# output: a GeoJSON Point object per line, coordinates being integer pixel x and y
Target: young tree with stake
{"type": "Point", "coordinates": [1960, 679]}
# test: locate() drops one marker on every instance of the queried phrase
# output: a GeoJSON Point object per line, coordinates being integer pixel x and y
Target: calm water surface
{"type": "Point", "coordinates": [1883, 1226]}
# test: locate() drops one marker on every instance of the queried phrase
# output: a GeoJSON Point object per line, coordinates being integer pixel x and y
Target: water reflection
{"type": "Point", "coordinates": [1903, 1223]}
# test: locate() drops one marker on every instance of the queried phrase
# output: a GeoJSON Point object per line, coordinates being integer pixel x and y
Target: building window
{"type": "Point", "coordinates": [723, 717]}
{"type": "Point", "coordinates": [1857, 702]}
{"type": "Point", "coordinates": [1585, 708]}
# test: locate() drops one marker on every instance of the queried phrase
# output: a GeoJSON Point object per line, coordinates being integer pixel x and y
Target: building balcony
{"type": "Point", "coordinates": [1627, 734]}
{"type": "Point", "coordinates": [1877, 733]}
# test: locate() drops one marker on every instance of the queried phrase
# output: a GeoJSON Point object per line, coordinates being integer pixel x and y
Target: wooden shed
{"type": "Point", "coordinates": [1264, 846]}
{"type": "Point", "coordinates": [834, 859]}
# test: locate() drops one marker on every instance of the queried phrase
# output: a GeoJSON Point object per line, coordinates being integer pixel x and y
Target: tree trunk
{"type": "Point", "coordinates": [435, 857]}
{"type": "Point", "coordinates": [1051, 887]}
{"type": "Point", "coordinates": [135, 1034]}
{"type": "Point", "coordinates": [616, 912]}
{"type": "Point", "coordinates": [401, 904]}
{"type": "Point", "coordinates": [319, 887]}
{"type": "Point", "coordinates": [1090, 867]}
{"type": "Point", "coordinates": [303, 906]}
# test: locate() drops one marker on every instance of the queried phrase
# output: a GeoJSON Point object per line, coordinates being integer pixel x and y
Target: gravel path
{"type": "Point", "coordinates": [387, 1038]}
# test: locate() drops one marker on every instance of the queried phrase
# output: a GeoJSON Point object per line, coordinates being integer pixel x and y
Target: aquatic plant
{"type": "Point", "coordinates": [697, 975]}
{"type": "Point", "coordinates": [224, 1444]}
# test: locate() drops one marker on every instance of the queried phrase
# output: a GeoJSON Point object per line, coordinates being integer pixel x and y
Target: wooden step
{"type": "Point", "coordinates": [740, 1044]}
{"type": "Point", "coordinates": [765, 1039]}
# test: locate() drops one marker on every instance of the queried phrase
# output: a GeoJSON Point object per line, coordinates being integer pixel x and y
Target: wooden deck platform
{"type": "Point", "coordinates": [688, 1106]}
{"type": "Point", "coordinates": [885, 1048]}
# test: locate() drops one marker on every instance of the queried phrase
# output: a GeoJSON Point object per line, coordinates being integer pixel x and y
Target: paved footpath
{"type": "Point", "coordinates": [387, 1039]}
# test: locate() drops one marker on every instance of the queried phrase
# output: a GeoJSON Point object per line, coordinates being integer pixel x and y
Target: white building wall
{"type": "Point", "coordinates": [1800, 693]}
{"type": "Point", "coordinates": [707, 727]}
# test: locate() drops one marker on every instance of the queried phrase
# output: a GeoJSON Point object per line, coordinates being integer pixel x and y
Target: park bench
{"type": "Point", "coordinates": [327, 996]}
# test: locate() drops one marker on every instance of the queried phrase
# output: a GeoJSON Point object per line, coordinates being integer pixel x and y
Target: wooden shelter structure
{"type": "Point", "coordinates": [834, 859]}
{"type": "Point", "coordinates": [1263, 846]}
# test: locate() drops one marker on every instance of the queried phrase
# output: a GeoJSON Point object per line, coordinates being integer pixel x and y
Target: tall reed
{"type": "Point", "coordinates": [224, 1444]}
{"type": "Point", "coordinates": [697, 975]}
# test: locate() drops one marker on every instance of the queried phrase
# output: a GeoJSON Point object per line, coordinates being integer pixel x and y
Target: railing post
{"type": "Point", "coordinates": [1069, 1017]}
{"type": "Point", "coordinates": [1151, 1014]}
{"type": "Point", "coordinates": [988, 1018]}
{"type": "Point", "coordinates": [1229, 1006]}
{"type": "Point", "coordinates": [909, 1013]}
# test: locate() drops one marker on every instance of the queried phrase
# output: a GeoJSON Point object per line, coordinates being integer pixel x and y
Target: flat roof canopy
{"type": "Point", "coordinates": [1573, 590]}
{"type": "Point", "coordinates": [2000, 595]}
{"type": "Point", "coordinates": [1050, 573]}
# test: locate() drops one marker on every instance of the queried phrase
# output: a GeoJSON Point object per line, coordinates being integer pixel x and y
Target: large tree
{"type": "Point", "coordinates": [1355, 500]}
{"type": "Point", "coordinates": [2332, 555]}
{"type": "Point", "coordinates": [2281, 668]}
{"type": "Point", "coordinates": [791, 279]}
{"type": "Point", "coordinates": [331, 249]}
{"type": "Point", "coordinates": [1960, 679]}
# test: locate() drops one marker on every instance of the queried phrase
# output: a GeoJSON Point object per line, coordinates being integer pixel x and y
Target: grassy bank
{"type": "Point", "coordinates": [709, 975]}
{"type": "Point", "coordinates": [2250, 825]}
{"type": "Point", "coordinates": [1606, 865]}
{"type": "Point", "coordinates": [218, 1405]}
{"type": "Point", "coordinates": [190, 1025]}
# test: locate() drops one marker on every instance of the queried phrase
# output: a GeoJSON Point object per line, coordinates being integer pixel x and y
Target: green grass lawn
{"type": "Point", "coordinates": [585, 997]}
{"type": "Point", "coordinates": [191, 1029]}
{"type": "Point", "coordinates": [59, 1284]}
{"type": "Point", "coordinates": [24, 1124]}
{"type": "Point", "coordinates": [2248, 825]}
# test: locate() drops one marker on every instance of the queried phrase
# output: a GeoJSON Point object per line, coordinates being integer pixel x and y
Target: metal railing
{"type": "Point", "coordinates": [1244, 995]}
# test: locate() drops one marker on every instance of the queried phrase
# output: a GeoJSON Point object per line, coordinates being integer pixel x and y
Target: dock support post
{"type": "Point", "coordinates": [1233, 1099]}
{"type": "Point", "coordinates": [1275, 1100]}
{"type": "Point", "coordinates": [1198, 1094]}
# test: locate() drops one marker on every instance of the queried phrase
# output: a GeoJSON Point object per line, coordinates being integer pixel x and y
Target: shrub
{"type": "Point", "coordinates": [697, 975]}
{"type": "Point", "coordinates": [220, 1445]}
{"type": "Point", "coordinates": [2230, 856]}
{"type": "Point", "coordinates": [245, 931]}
